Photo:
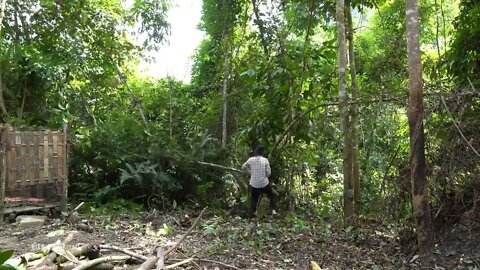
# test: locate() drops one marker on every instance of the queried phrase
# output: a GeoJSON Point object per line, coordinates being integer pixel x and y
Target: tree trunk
{"type": "Point", "coordinates": [261, 27]}
{"type": "Point", "coordinates": [170, 103]}
{"type": "Point", "coordinates": [3, 4]}
{"type": "Point", "coordinates": [421, 207]}
{"type": "Point", "coordinates": [2, 14]}
{"type": "Point", "coordinates": [354, 113]}
{"type": "Point", "coordinates": [225, 91]}
{"type": "Point", "coordinates": [343, 108]}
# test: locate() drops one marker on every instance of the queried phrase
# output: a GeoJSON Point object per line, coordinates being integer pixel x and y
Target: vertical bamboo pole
{"type": "Point", "coordinates": [46, 164]}
{"type": "Point", "coordinates": [3, 174]}
{"type": "Point", "coordinates": [65, 170]}
{"type": "Point", "coordinates": [36, 157]}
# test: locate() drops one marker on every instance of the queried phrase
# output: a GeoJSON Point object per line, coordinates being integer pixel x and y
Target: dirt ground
{"type": "Point", "coordinates": [272, 242]}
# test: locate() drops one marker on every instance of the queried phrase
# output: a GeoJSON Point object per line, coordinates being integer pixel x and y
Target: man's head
{"type": "Point", "coordinates": [259, 150]}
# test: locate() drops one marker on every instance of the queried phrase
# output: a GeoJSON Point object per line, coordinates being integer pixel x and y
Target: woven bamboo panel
{"type": "Point", "coordinates": [35, 165]}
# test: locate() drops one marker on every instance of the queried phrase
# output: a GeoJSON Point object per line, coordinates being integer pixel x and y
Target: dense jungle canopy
{"type": "Point", "coordinates": [325, 85]}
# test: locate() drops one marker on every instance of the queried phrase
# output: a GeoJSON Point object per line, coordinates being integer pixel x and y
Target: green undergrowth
{"type": "Point", "coordinates": [111, 209]}
{"type": "Point", "coordinates": [225, 233]}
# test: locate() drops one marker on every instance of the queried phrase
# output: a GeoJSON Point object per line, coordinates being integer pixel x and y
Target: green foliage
{"type": "Point", "coordinates": [112, 208]}
{"type": "Point", "coordinates": [56, 57]}
{"type": "Point", "coordinates": [5, 255]}
{"type": "Point", "coordinates": [58, 61]}
{"type": "Point", "coordinates": [297, 224]}
{"type": "Point", "coordinates": [465, 53]}
{"type": "Point", "coordinates": [6, 264]}
{"type": "Point", "coordinates": [153, 17]}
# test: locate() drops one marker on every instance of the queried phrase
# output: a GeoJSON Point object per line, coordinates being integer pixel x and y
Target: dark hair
{"type": "Point", "coordinates": [259, 150]}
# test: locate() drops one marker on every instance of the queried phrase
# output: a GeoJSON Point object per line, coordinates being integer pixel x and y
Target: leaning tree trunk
{"type": "Point", "coordinates": [421, 208]}
{"type": "Point", "coordinates": [343, 108]}
{"type": "Point", "coordinates": [354, 113]}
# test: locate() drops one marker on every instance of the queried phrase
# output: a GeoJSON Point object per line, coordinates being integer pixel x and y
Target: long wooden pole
{"type": "Point", "coordinates": [3, 173]}
{"type": "Point", "coordinates": [65, 170]}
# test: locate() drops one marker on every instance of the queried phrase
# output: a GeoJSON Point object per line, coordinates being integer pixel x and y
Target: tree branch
{"type": "Point", "coordinates": [221, 167]}
{"type": "Point", "coordinates": [123, 77]}
{"type": "Point", "coordinates": [458, 128]}
{"type": "Point", "coordinates": [170, 250]}
{"type": "Point", "coordinates": [124, 251]}
{"type": "Point", "coordinates": [101, 260]}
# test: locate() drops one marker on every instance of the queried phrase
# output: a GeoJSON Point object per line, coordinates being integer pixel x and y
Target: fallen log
{"type": "Point", "coordinates": [179, 263]}
{"type": "Point", "coordinates": [101, 260]}
{"type": "Point", "coordinates": [50, 259]}
{"type": "Point", "coordinates": [124, 251]}
{"type": "Point", "coordinates": [71, 266]}
{"type": "Point", "coordinates": [149, 263]}
{"type": "Point", "coordinates": [161, 259]}
{"type": "Point", "coordinates": [85, 227]}
{"type": "Point", "coordinates": [30, 256]}
{"type": "Point", "coordinates": [91, 251]}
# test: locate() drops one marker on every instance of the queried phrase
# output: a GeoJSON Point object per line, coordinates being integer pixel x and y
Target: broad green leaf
{"type": "Point", "coordinates": [5, 255]}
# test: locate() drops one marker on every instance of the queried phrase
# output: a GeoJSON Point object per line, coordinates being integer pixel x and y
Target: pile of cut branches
{"type": "Point", "coordinates": [62, 255]}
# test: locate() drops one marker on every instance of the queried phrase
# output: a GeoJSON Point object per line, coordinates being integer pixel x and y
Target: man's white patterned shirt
{"type": "Point", "coordinates": [259, 169]}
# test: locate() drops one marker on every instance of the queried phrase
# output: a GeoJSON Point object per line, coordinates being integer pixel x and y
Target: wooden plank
{"type": "Point", "coordinates": [21, 209]}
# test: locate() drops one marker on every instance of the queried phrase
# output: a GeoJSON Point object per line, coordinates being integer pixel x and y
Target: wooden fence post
{"type": "Point", "coordinates": [3, 173]}
{"type": "Point", "coordinates": [65, 170]}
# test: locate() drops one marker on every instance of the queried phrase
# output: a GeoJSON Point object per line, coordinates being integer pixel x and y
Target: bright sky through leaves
{"type": "Point", "coordinates": [174, 58]}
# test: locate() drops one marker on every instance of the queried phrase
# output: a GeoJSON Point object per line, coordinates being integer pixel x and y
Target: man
{"type": "Point", "coordinates": [259, 169]}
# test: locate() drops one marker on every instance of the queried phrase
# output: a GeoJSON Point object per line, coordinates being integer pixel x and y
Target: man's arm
{"type": "Point", "coordinates": [246, 166]}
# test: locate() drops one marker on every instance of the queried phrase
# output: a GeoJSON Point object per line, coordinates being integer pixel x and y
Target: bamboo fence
{"type": "Point", "coordinates": [33, 167]}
